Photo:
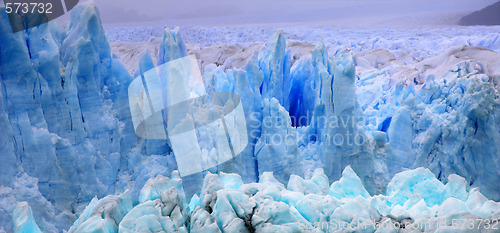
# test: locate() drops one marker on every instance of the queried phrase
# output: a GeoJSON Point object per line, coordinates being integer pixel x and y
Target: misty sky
{"type": "Point", "coordinates": [309, 12]}
{"type": "Point", "coordinates": [313, 12]}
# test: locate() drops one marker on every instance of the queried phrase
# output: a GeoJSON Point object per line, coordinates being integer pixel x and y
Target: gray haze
{"type": "Point", "coordinates": [286, 12]}
{"type": "Point", "coordinates": [308, 12]}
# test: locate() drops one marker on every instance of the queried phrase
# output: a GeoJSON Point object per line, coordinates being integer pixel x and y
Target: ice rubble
{"type": "Point", "coordinates": [67, 136]}
{"type": "Point", "coordinates": [415, 200]}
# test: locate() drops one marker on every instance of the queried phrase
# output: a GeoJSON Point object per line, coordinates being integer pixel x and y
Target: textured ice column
{"type": "Point", "coordinates": [400, 134]}
{"type": "Point", "coordinates": [204, 129]}
{"type": "Point", "coordinates": [458, 128]}
{"type": "Point", "coordinates": [318, 89]}
{"type": "Point", "coordinates": [239, 82]}
{"type": "Point", "coordinates": [303, 94]}
{"type": "Point", "coordinates": [311, 87]}
{"type": "Point", "coordinates": [276, 150]}
{"type": "Point", "coordinates": [254, 73]}
{"type": "Point", "coordinates": [7, 156]}
{"type": "Point", "coordinates": [148, 72]}
{"type": "Point", "coordinates": [85, 24]}
{"type": "Point", "coordinates": [56, 184]}
{"type": "Point", "coordinates": [165, 96]}
{"type": "Point", "coordinates": [341, 137]}
{"type": "Point", "coordinates": [24, 128]}
{"type": "Point", "coordinates": [182, 85]}
{"type": "Point", "coordinates": [345, 142]}
{"type": "Point", "coordinates": [18, 84]}
{"type": "Point", "coordinates": [23, 219]}
{"type": "Point", "coordinates": [89, 72]}
{"type": "Point", "coordinates": [274, 61]}
{"type": "Point", "coordinates": [171, 47]}
{"type": "Point", "coordinates": [66, 108]}
{"type": "Point", "coordinates": [312, 105]}
{"type": "Point", "coordinates": [323, 98]}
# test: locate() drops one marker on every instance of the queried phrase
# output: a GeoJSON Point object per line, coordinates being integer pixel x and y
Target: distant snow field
{"type": "Point", "coordinates": [232, 47]}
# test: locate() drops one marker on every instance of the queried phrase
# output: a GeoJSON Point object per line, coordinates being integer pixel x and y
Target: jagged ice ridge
{"type": "Point", "coordinates": [67, 137]}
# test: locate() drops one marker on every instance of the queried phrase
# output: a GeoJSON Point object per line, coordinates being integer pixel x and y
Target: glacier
{"type": "Point", "coordinates": [415, 200]}
{"type": "Point", "coordinates": [338, 132]}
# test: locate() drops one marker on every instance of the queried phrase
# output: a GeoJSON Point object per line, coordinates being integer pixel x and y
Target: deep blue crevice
{"type": "Point", "coordinates": [385, 124]}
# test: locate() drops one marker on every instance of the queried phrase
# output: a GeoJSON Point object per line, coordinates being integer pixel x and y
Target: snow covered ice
{"type": "Point", "coordinates": [343, 134]}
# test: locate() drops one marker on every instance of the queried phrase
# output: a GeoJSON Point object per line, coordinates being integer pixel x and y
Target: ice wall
{"type": "Point", "coordinates": [67, 133]}
{"type": "Point", "coordinates": [65, 121]}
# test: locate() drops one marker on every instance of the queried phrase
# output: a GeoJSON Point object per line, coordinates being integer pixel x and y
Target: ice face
{"type": "Point", "coordinates": [23, 219]}
{"type": "Point", "coordinates": [274, 61]}
{"type": "Point", "coordinates": [418, 127]}
{"type": "Point", "coordinates": [74, 137]}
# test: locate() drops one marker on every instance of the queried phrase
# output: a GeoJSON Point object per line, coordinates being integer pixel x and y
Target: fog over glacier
{"type": "Point", "coordinates": [389, 122]}
{"type": "Point", "coordinates": [367, 13]}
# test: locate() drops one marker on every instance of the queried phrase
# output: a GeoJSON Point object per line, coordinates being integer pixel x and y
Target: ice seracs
{"type": "Point", "coordinates": [415, 199]}
{"type": "Point", "coordinates": [103, 215]}
{"type": "Point", "coordinates": [416, 120]}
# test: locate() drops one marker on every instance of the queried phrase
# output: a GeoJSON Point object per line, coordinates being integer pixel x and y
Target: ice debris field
{"type": "Point", "coordinates": [353, 132]}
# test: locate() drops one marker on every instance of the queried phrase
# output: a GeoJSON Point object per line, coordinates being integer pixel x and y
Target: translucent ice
{"type": "Point", "coordinates": [23, 219]}
{"type": "Point", "coordinates": [411, 201]}
{"type": "Point", "coordinates": [416, 118]}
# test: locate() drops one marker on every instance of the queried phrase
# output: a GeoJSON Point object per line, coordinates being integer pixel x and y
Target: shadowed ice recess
{"type": "Point", "coordinates": [336, 134]}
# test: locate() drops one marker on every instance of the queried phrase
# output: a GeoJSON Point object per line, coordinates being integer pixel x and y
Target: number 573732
{"type": "Point", "coordinates": [24, 8]}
